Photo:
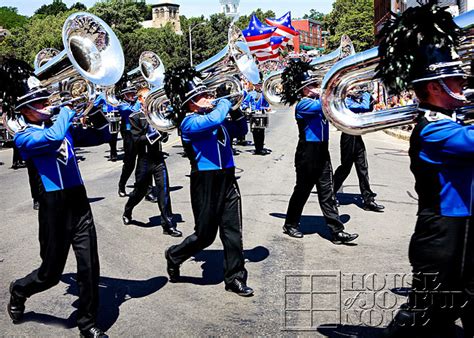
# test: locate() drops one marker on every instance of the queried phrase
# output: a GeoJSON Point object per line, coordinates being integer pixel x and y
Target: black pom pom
{"type": "Point", "coordinates": [292, 80]}
{"type": "Point", "coordinates": [13, 74]}
{"type": "Point", "coordinates": [175, 85]}
{"type": "Point", "coordinates": [408, 41]}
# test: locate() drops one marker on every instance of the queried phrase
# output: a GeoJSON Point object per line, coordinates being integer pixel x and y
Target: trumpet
{"type": "Point", "coordinates": [149, 73]}
{"type": "Point", "coordinates": [92, 57]}
{"type": "Point", "coordinates": [359, 70]}
{"type": "Point", "coordinates": [272, 85]}
{"type": "Point", "coordinates": [226, 67]}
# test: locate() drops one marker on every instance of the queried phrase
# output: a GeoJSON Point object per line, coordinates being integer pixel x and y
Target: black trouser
{"type": "Point", "coordinates": [113, 144]}
{"type": "Point", "coordinates": [147, 169]}
{"type": "Point", "coordinates": [258, 138]}
{"type": "Point", "coordinates": [65, 219]}
{"type": "Point", "coordinates": [353, 152]}
{"type": "Point", "coordinates": [216, 203]}
{"type": "Point", "coordinates": [313, 167]}
{"type": "Point", "coordinates": [16, 156]}
{"type": "Point", "coordinates": [442, 256]}
{"type": "Point", "coordinates": [34, 180]}
{"type": "Point", "coordinates": [129, 159]}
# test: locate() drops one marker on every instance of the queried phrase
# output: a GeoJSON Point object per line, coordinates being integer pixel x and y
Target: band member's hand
{"type": "Point", "coordinates": [223, 90]}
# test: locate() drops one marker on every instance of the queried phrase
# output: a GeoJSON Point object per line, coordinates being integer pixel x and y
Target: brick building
{"type": "Point", "coordinates": [310, 36]}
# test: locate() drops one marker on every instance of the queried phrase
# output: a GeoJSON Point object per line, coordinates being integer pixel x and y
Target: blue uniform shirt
{"type": "Point", "coordinates": [51, 148]}
{"type": "Point", "coordinates": [126, 109]}
{"type": "Point", "coordinates": [311, 121]}
{"type": "Point", "coordinates": [359, 107]}
{"type": "Point", "coordinates": [209, 137]}
{"type": "Point", "coordinates": [249, 101]}
{"type": "Point", "coordinates": [449, 147]}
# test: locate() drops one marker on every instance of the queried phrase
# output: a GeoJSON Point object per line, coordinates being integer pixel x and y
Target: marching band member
{"type": "Point", "coordinates": [130, 105]}
{"type": "Point", "coordinates": [258, 132]}
{"type": "Point", "coordinates": [207, 135]}
{"type": "Point", "coordinates": [353, 153]}
{"type": "Point", "coordinates": [441, 152]}
{"type": "Point", "coordinates": [65, 217]}
{"type": "Point", "coordinates": [312, 159]}
{"type": "Point", "coordinates": [151, 164]}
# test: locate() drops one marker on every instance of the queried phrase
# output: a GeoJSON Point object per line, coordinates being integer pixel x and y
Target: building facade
{"type": "Point", "coordinates": [162, 13]}
{"type": "Point", "coordinates": [310, 36]}
{"type": "Point", "coordinates": [382, 8]}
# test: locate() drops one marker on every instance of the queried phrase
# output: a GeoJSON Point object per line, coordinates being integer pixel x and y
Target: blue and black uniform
{"type": "Point", "coordinates": [215, 195]}
{"type": "Point", "coordinates": [259, 105]}
{"type": "Point", "coordinates": [441, 250]}
{"type": "Point", "coordinates": [65, 217]}
{"type": "Point", "coordinates": [130, 152]}
{"type": "Point", "coordinates": [313, 166]}
{"type": "Point", "coordinates": [353, 153]}
{"type": "Point", "coordinates": [150, 164]}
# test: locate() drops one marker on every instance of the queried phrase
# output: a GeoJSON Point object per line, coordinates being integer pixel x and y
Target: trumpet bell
{"type": "Point", "coordinates": [152, 68]}
{"type": "Point", "coordinates": [93, 49]}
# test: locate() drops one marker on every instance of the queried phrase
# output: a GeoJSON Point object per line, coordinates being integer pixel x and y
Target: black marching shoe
{"type": "Point", "coordinates": [36, 205]}
{"type": "Point", "coordinates": [93, 332]}
{"type": "Point", "coordinates": [113, 158]}
{"type": "Point", "coordinates": [126, 219]}
{"type": "Point", "coordinates": [173, 232]}
{"type": "Point", "coordinates": [121, 192]}
{"type": "Point", "coordinates": [342, 237]}
{"type": "Point", "coordinates": [16, 306]}
{"type": "Point", "coordinates": [373, 206]}
{"type": "Point", "coordinates": [172, 269]}
{"type": "Point", "coordinates": [292, 231]}
{"type": "Point", "coordinates": [151, 198]}
{"type": "Point", "coordinates": [239, 287]}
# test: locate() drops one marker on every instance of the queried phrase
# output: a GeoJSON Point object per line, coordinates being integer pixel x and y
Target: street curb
{"type": "Point", "coordinates": [400, 134]}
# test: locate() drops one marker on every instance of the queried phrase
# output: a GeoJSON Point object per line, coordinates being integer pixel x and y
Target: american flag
{"type": "Point", "coordinates": [258, 37]}
{"type": "Point", "coordinates": [274, 54]}
{"type": "Point", "coordinates": [283, 28]}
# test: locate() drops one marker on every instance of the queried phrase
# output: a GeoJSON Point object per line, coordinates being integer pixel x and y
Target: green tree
{"type": "Point", "coordinates": [78, 6]}
{"type": "Point", "coordinates": [40, 32]}
{"type": "Point", "coordinates": [122, 17]}
{"type": "Point", "coordinates": [244, 20]}
{"type": "Point", "coordinates": [354, 18]}
{"type": "Point", "coordinates": [170, 47]}
{"type": "Point", "coordinates": [9, 18]}
{"type": "Point", "coordinates": [55, 8]}
{"type": "Point", "coordinates": [315, 15]}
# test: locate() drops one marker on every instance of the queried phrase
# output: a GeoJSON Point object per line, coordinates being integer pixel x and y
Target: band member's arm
{"type": "Point", "coordinates": [309, 107]}
{"type": "Point", "coordinates": [35, 141]}
{"type": "Point", "coordinates": [200, 123]}
{"type": "Point", "coordinates": [446, 140]}
{"type": "Point", "coordinates": [359, 107]}
{"type": "Point", "coordinates": [238, 126]}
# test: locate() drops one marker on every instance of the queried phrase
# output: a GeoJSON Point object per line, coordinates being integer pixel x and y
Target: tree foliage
{"type": "Point", "coordinates": [354, 18]}
{"type": "Point", "coordinates": [123, 17]}
{"type": "Point", "coordinates": [244, 20]}
{"type": "Point", "coordinates": [53, 9]}
{"type": "Point", "coordinates": [9, 18]}
{"type": "Point", "coordinates": [315, 15]}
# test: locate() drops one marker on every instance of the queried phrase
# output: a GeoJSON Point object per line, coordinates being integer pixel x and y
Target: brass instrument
{"type": "Point", "coordinates": [92, 56]}
{"type": "Point", "coordinates": [272, 85]}
{"type": "Point", "coordinates": [226, 67]}
{"type": "Point", "coordinates": [358, 70]}
{"type": "Point", "coordinates": [149, 73]}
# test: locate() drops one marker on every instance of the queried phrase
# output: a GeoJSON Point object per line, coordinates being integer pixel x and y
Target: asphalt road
{"type": "Point", "coordinates": [301, 286]}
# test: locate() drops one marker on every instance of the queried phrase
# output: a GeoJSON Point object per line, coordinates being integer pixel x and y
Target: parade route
{"type": "Point", "coordinates": [301, 285]}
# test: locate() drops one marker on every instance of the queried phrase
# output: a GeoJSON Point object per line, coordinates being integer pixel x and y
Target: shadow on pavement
{"type": "Point", "coordinates": [113, 293]}
{"type": "Point", "coordinates": [155, 221]}
{"type": "Point", "coordinates": [310, 225]}
{"type": "Point", "coordinates": [339, 331]}
{"type": "Point", "coordinates": [212, 267]}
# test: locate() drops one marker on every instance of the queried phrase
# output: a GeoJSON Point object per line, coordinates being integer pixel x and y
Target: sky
{"type": "Point", "coordinates": [199, 7]}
